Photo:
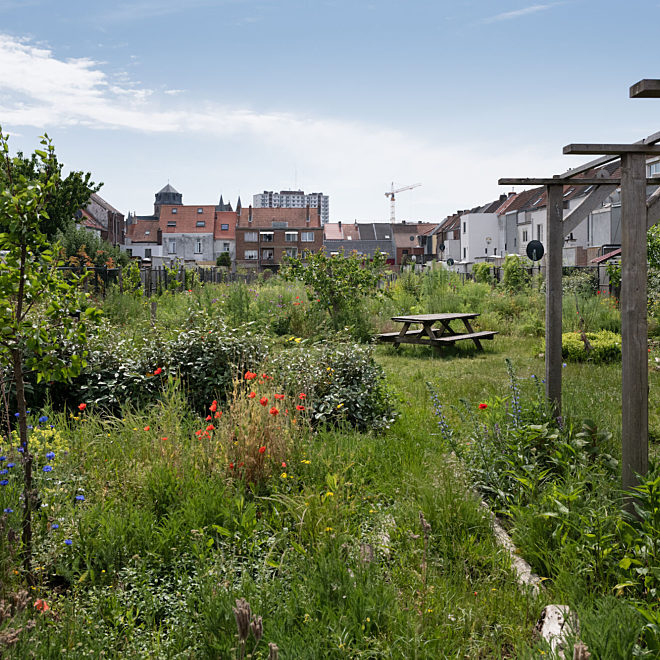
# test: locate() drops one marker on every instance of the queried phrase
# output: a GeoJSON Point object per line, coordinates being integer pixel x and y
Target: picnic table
{"type": "Point", "coordinates": [442, 335]}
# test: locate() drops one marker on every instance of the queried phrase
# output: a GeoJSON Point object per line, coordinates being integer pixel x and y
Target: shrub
{"type": "Point", "coordinates": [514, 274]}
{"type": "Point", "coordinates": [482, 273]}
{"type": "Point", "coordinates": [343, 384]}
{"type": "Point", "coordinates": [605, 346]}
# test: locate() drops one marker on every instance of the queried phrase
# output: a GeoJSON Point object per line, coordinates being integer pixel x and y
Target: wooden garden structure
{"type": "Point", "coordinates": [637, 214]}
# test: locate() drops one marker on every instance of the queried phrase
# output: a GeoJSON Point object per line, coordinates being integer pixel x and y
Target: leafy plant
{"type": "Point", "coordinates": [603, 346]}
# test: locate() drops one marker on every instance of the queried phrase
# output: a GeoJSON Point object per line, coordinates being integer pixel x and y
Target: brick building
{"type": "Point", "coordinates": [265, 236]}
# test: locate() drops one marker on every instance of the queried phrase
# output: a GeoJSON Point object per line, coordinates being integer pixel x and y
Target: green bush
{"type": "Point", "coordinates": [482, 273]}
{"type": "Point", "coordinates": [514, 274]}
{"type": "Point", "coordinates": [605, 347]}
{"type": "Point", "coordinates": [342, 383]}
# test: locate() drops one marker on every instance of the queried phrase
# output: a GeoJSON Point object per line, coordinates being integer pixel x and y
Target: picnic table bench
{"type": "Point", "coordinates": [439, 336]}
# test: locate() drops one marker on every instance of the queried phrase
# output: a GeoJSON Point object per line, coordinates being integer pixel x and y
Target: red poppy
{"type": "Point", "coordinates": [231, 466]}
{"type": "Point", "coordinates": [263, 401]}
{"type": "Point", "coordinates": [214, 406]}
{"type": "Point", "coordinates": [483, 406]}
{"type": "Point", "coordinates": [262, 450]}
{"type": "Point", "coordinates": [283, 464]}
{"type": "Point", "coordinates": [163, 438]}
{"type": "Point", "coordinates": [198, 433]}
{"type": "Point", "coordinates": [279, 397]}
{"type": "Point", "coordinates": [251, 395]}
{"type": "Point", "coordinates": [210, 427]}
{"type": "Point", "coordinates": [296, 303]}
{"type": "Point", "coordinates": [218, 415]}
{"type": "Point", "coordinates": [274, 411]}
{"type": "Point", "coordinates": [300, 407]}
{"type": "Point", "coordinates": [158, 372]}
{"type": "Point", "coordinates": [41, 605]}
{"type": "Point", "coordinates": [302, 395]}
{"type": "Point", "coordinates": [146, 428]}
{"type": "Point", "coordinates": [208, 418]}
{"type": "Point", "coordinates": [82, 407]}
{"type": "Point", "coordinates": [241, 464]}
{"type": "Point", "coordinates": [249, 375]}
{"type": "Point", "coordinates": [264, 376]}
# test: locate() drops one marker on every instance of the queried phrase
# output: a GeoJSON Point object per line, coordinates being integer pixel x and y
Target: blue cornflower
{"type": "Point", "coordinates": [21, 449]}
{"type": "Point", "coordinates": [3, 458]}
{"type": "Point", "coordinates": [563, 364]}
{"type": "Point", "coordinates": [30, 427]}
{"type": "Point", "coordinates": [8, 510]}
{"type": "Point", "coordinates": [17, 414]}
{"type": "Point", "coordinates": [54, 526]}
{"type": "Point", "coordinates": [43, 419]}
{"type": "Point", "coordinates": [11, 465]}
{"type": "Point", "coordinates": [4, 482]}
{"type": "Point", "coordinates": [50, 454]}
{"type": "Point", "coordinates": [4, 471]}
{"type": "Point", "coordinates": [48, 468]}
{"type": "Point", "coordinates": [29, 412]}
{"type": "Point", "coordinates": [80, 498]}
{"type": "Point", "coordinates": [68, 541]}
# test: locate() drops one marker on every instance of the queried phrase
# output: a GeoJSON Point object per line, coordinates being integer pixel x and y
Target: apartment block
{"type": "Point", "coordinates": [293, 199]}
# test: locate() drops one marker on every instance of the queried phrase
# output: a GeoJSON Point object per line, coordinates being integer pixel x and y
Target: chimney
{"type": "Point", "coordinates": [339, 223]}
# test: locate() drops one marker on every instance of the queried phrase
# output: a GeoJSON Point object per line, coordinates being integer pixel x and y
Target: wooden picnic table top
{"type": "Point", "coordinates": [426, 318]}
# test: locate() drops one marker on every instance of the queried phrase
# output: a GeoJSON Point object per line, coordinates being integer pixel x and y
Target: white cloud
{"type": "Point", "coordinates": [517, 13]}
{"type": "Point", "coordinates": [355, 159]}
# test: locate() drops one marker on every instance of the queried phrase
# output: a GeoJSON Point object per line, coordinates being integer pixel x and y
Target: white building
{"type": "Point", "coordinates": [293, 199]}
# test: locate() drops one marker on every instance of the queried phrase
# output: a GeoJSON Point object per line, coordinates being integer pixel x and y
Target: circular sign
{"type": "Point", "coordinates": [450, 262]}
{"type": "Point", "coordinates": [442, 247]}
{"type": "Point", "coordinates": [412, 238]}
{"type": "Point", "coordinates": [535, 250]}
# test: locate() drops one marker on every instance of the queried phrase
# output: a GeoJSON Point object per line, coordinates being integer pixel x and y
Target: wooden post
{"type": "Point", "coordinates": [154, 309]}
{"type": "Point", "coordinates": [553, 296]}
{"type": "Point", "coordinates": [634, 332]}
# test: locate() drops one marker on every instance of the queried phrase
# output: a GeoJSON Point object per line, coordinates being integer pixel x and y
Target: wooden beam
{"type": "Point", "coordinates": [591, 203]}
{"type": "Point", "coordinates": [592, 181]}
{"type": "Point", "coordinates": [634, 331]}
{"type": "Point", "coordinates": [645, 89]}
{"type": "Point", "coordinates": [612, 149]}
{"type": "Point", "coordinates": [553, 297]}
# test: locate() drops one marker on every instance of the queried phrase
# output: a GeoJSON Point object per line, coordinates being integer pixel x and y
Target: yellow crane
{"type": "Point", "coordinates": [391, 194]}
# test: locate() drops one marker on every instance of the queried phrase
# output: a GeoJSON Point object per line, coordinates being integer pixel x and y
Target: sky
{"type": "Point", "coordinates": [347, 98]}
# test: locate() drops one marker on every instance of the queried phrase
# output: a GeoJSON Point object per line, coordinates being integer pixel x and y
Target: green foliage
{"type": "Point", "coordinates": [132, 278]}
{"type": "Point", "coordinates": [223, 260]}
{"type": "Point", "coordinates": [605, 347]}
{"type": "Point", "coordinates": [514, 274]}
{"type": "Point", "coordinates": [339, 284]}
{"type": "Point", "coordinates": [82, 248]}
{"type": "Point", "coordinates": [482, 273]}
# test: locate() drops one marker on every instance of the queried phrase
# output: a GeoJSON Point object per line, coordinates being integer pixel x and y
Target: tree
{"type": "Point", "coordinates": [339, 282]}
{"type": "Point", "coordinates": [67, 196]}
{"type": "Point", "coordinates": [224, 259]}
{"type": "Point", "coordinates": [38, 307]}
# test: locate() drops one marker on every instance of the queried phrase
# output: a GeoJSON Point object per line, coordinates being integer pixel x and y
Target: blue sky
{"type": "Point", "coordinates": [241, 96]}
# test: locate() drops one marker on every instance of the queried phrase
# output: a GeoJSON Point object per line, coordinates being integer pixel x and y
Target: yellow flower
{"type": "Point", "coordinates": [307, 618]}
{"type": "Point", "coordinates": [329, 494]}
{"type": "Point", "coordinates": [298, 340]}
{"type": "Point", "coordinates": [341, 405]}
{"type": "Point", "coordinates": [305, 461]}
{"type": "Point", "coordinates": [283, 475]}
{"type": "Point", "coordinates": [329, 529]}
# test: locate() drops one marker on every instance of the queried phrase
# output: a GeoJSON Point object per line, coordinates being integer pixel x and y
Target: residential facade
{"type": "Point", "coordinates": [293, 199]}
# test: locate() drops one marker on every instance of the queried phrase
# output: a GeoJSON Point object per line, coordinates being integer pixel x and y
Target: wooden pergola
{"type": "Point", "coordinates": [637, 214]}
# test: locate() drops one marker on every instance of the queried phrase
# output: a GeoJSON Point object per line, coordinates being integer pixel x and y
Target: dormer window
{"type": "Point", "coordinates": [171, 223]}
{"type": "Point", "coordinates": [200, 210]}
{"type": "Point", "coordinates": [174, 210]}
{"type": "Point", "coordinates": [146, 233]}
{"type": "Point", "coordinates": [200, 223]}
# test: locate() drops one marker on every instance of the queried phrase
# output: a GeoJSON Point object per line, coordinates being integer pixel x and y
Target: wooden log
{"type": "Point", "coordinates": [645, 89]}
{"type": "Point", "coordinates": [634, 332]}
{"type": "Point", "coordinates": [612, 149]}
{"type": "Point", "coordinates": [553, 298]}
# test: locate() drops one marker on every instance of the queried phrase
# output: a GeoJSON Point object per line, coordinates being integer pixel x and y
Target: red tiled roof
{"type": "Point", "coordinates": [225, 218]}
{"type": "Point", "coordinates": [607, 256]}
{"type": "Point", "coordinates": [332, 231]}
{"type": "Point", "coordinates": [143, 231]}
{"type": "Point", "coordinates": [186, 219]}
{"type": "Point", "coordinates": [264, 217]}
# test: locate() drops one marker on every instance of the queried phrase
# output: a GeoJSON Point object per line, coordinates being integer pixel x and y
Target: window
{"type": "Point", "coordinates": [266, 236]}
{"type": "Point", "coordinates": [464, 253]}
{"type": "Point", "coordinates": [291, 252]}
{"type": "Point", "coordinates": [654, 168]}
{"type": "Point", "coordinates": [147, 253]}
{"type": "Point", "coordinates": [307, 236]}
{"type": "Point", "coordinates": [539, 232]}
{"type": "Point", "coordinates": [267, 255]}
{"type": "Point", "coordinates": [486, 251]}
{"type": "Point", "coordinates": [171, 247]}
{"type": "Point", "coordinates": [280, 224]}
{"type": "Point", "coordinates": [174, 211]}
{"type": "Point", "coordinates": [225, 247]}
{"type": "Point", "coordinates": [200, 223]}
{"type": "Point", "coordinates": [524, 236]}
{"type": "Point", "coordinates": [495, 251]}
{"type": "Point", "coordinates": [198, 247]}
{"type": "Point", "coordinates": [251, 255]}
{"type": "Point", "coordinates": [224, 227]}
{"type": "Point", "coordinates": [464, 227]}
{"type": "Point", "coordinates": [146, 233]}
{"type": "Point", "coordinates": [251, 237]}
{"type": "Point", "coordinates": [171, 223]}
{"type": "Point", "coordinates": [200, 210]}
{"type": "Point", "coordinates": [291, 236]}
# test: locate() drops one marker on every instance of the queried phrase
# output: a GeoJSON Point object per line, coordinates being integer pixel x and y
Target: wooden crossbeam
{"type": "Point", "coordinates": [592, 181]}
{"type": "Point", "coordinates": [611, 149]}
{"type": "Point", "coordinates": [645, 89]}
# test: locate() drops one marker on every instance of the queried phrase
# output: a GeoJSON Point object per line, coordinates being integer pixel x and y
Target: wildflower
{"type": "Point", "coordinates": [274, 411]}
{"type": "Point", "coordinates": [54, 526]}
{"type": "Point", "coordinates": [11, 465]}
{"type": "Point", "coordinates": [329, 529]}
{"type": "Point", "coordinates": [298, 340]}
{"type": "Point", "coordinates": [209, 418]}
{"type": "Point", "coordinates": [43, 419]}
{"type": "Point", "coordinates": [68, 541]}
{"type": "Point", "coordinates": [80, 498]}
{"type": "Point", "coordinates": [329, 494]}
{"type": "Point", "coordinates": [41, 605]}
{"type": "Point", "coordinates": [304, 460]}
{"type": "Point", "coordinates": [214, 406]}
{"type": "Point", "coordinates": [158, 372]}
{"type": "Point", "coordinates": [283, 464]}
{"type": "Point", "coordinates": [8, 510]}
{"type": "Point", "coordinates": [198, 433]}
{"type": "Point", "coordinates": [483, 406]}
{"type": "Point", "coordinates": [263, 401]}
{"type": "Point", "coordinates": [47, 468]}
{"type": "Point", "coordinates": [82, 406]}
{"type": "Point", "coordinates": [341, 405]}
{"type": "Point", "coordinates": [3, 458]}
{"type": "Point", "coordinates": [4, 482]}
{"type": "Point", "coordinates": [299, 407]}
{"type": "Point", "coordinates": [17, 414]}
{"type": "Point", "coordinates": [250, 375]}
{"type": "Point", "coordinates": [302, 395]}
{"type": "Point", "coordinates": [164, 438]}
{"type": "Point", "coordinates": [264, 376]}
{"type": "Point", "coordinates": [4, 471]}
{"type": "Point", "coordinates": [279, 397]}
{"type": "Point", "coordinates": [283, 475]}
{"type": "Point", "coordinates": [563, 365]}
{"type": "Point", "coordinates": [218, 415]}
{"type": "Point", "coordinates": [146, 428]}
{"type": "Point", "coordinates": [251, 395]}
{"type": "Point", "coordinates": [231, 466]}
{"type": "Point", "coordinates": [210, 427]}
{"type": "Point", "coordinates": [262, 450]}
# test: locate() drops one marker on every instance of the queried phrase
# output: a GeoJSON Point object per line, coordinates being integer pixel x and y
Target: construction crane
{"type": "Point", "coordinates": [391, 195]}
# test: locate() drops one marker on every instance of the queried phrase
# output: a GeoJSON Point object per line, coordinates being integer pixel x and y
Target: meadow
{"type": "Point", "coordinates": [245, 447]}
